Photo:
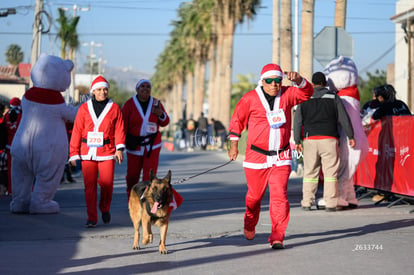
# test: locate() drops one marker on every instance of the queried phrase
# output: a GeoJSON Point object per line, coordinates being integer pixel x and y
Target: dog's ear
{"type": "Point", "coordinates": [168, 176]}
{"type": "Point", "coordinates": [152, 176]}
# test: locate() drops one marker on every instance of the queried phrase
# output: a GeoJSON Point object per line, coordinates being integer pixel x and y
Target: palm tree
{"type": "Point", "coordinates": [286, 35]}
{"type": "Point", "coordinates": [67, 33]}
{"type": "Point", "coordinates": [306, 49]}
{"type": "Point", "coordinates": [14, 54]}
{"type": "Point", "coordinates": [69, 38]}
{"type": "Point", "coordinates": [227, 14]}
{"type": "Point", "coordinates": [276, 32]}
{"type": "Point", "coordinates": [340, 13]}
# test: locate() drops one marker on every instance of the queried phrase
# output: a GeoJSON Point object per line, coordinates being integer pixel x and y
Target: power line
{"type": "Point", "coordinates": [379, 58]}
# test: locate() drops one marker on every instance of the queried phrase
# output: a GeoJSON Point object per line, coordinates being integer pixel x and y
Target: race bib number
{"type": "Point", "coordinates": [276, 118]}
{"type": "Point", "coordinates": [95, 139]}
{"type": "Point", "coordinates": [151, 128]}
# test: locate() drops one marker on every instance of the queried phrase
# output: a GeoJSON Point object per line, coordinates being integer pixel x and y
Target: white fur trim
{"type": "Point", "coordinates": [271, 73]}
{"type": "Point", "coordinates": [99, 85]}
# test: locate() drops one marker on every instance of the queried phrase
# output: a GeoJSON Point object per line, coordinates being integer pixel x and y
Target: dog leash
{"type": "Point", "coordinates": [199, 174]}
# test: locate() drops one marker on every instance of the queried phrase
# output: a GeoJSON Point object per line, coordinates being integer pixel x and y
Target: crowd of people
{"type": "Point", "coordinates": [327, 131]}
{"type": "Point", "coordinates": [194, 134]}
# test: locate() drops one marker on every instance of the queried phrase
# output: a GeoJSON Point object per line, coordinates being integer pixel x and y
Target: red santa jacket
{"type": "Point", "coordinates": [253, 110]}
{"type": "Point", "coordinates": [109, 122]}
{"type": "Point", "coordinates": [11, 127]}
{"type": "Point", "coordinates": [142, 127]}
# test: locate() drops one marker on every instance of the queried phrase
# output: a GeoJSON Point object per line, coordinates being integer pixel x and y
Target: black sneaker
{"type": "Point", "coordinates": [106, 217]}
{"type": "Point", "coordinates": [90, 224]}
{"type": "Point", "coordinates": [306, 208]}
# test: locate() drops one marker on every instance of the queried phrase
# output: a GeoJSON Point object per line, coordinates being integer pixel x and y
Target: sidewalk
{"type": "Point", "coordinates": [205, 235]}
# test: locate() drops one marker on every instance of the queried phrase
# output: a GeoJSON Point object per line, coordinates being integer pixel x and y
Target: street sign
{"type": "Point", "coordinates": [332, 42]}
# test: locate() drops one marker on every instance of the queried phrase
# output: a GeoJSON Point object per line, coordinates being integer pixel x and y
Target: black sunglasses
{"type": "Point", "coordinates": [277, 80]}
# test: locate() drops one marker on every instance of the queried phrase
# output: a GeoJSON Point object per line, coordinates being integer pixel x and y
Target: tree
{"type": "Point", "coordinates": [244, 84]}
{"type": "Point", "coordinates": [67, 34]}
{"type": "Point", "coordinates": [306, 49]}
{"type": "Point", "coordinates": [14, 54]}
{"type": "Point", "coordinates": [365, 87]}
{"type": "Point", "coordinates": [286, 35]}
{"type": "Point", "coordinates": [340, 13]}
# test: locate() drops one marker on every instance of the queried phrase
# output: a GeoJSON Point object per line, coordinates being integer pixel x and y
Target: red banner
{"type": "Point", "coordinates": [389, 165]}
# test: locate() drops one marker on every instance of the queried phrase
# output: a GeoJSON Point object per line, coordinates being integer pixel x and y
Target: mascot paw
{"type": "Point", "coordinates": [19, 207]}
{"type": "Point", "coordinates": [49, 207]}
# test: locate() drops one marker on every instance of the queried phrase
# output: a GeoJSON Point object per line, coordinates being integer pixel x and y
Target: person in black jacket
{"type": "Point", "coordinates": [316, 123]}
{"type": "Point", "coordinates": [388, 104]}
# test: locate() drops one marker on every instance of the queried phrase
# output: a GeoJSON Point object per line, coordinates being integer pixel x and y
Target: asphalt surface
{"type": "Point", "coordinates": [205, 235]}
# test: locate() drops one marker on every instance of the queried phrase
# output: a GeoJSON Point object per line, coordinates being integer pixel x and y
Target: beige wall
{"type": "Point", "coordinates": [12, 90]}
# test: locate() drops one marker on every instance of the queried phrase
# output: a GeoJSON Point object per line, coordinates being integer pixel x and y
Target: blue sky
{"type": "Point", "coordinates": [134, 33]}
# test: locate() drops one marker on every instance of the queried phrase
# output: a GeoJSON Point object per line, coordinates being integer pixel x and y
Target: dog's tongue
{"type": "Point", "coordinates": [154, 208]}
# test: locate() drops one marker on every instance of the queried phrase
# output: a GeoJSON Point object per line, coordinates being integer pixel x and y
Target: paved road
{"type": "Point", "coordinates": [205, 234]}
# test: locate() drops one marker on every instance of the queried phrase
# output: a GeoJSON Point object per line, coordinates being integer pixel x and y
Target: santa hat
{"type": "Point", "coordinates": [142, 81]}
{"type": "Point", "coordinates": [271, 70]}
{"type": "Point", "coordinates": [99, 82]}
{"type": "Point", "coordinates": [15, 102]}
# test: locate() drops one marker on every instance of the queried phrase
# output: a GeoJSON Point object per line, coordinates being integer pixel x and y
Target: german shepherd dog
{"type": "Point", "coordinates": [148, 204]}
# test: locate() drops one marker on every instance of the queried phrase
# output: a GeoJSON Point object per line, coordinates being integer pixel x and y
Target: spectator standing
{"type": "Point", "coordinates": [318, 120]}
{"type": "Point", "coordinates": [143, 116]}
{"type": "Point", "coordinates": [11, 122]}
{"type": "Point", "coordinates": [191, 127]}
{"type": "Point", "coordinates": [267, 112]}
{"type": "Point", "coordinates": [98, 138]}
{"type": "Point", "coordinates": [388, 104]}
{"type": "Point", "coordinates": [220, 131]}
{"type": "Point", "coordinates": [202, 129]}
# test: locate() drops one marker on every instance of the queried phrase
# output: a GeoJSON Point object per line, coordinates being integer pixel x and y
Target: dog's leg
{"type": "Point", "coordinates": [163, 235]}
{"type": "Point", "coordinates": [135, 212]}
{"type": "Point", "coordinates": [146, 229]}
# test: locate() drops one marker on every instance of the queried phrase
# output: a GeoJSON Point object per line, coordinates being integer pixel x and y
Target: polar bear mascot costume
{"type": "Point", "coordinates": [40, 146]}
{"type": "Point", "coordinates": [342, 76]}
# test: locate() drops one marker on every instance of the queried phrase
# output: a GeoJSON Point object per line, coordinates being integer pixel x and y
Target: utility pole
{"type": "Point", "coordinates": [37, 32]}
{"type": "Point", "coordinates": [92, 44]}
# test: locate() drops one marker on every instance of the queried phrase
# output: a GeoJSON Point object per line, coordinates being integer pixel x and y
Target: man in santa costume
{"type": "Point", "coordinates": [266, 111]}
{"type": "Point", "coordinates": [11, 122]}
{"type": "Point", "coordinates": [40, 147]}
{"type": "Point", "coordinates": [342, 76]}
{"type": "Point", "coordinates": [98, 140]}
{"type": "Point", "coordinates": [143, 116]}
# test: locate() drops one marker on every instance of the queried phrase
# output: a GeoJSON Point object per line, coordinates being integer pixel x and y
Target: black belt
{"type": "Point", "coordinates": [106, 141]}
{"type": "Point", "coordinates": [268, 153]}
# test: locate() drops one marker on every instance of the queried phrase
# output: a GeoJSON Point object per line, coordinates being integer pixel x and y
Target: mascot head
{"type": "Point", "coordinates": [51, 72]}
{"type": "Point", "coordinates": [341, 73]}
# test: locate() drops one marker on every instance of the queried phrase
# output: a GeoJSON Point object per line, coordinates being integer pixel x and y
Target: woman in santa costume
{"type": "Point", "coordinates": [98, 139]}
{"type": "Point", "coordinates": [267, 112]}
{"type": "Point", "coordinates": [143, 116]}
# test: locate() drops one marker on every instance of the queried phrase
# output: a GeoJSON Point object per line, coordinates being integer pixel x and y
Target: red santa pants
{"type": "Point", "coordinates": [90, 170]}
{"type": "Point", "coordinates": [136, 164]}
{"type": "Point", "coordinates": [257, 180]}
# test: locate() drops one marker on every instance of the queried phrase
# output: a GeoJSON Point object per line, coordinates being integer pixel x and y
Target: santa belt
{"type": "Point", "coordinates": [268, 153]}
{"type": "Point", "coordinates": [106, 141]}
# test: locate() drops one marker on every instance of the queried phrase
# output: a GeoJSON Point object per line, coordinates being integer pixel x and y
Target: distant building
{"type": "Point", "coordinates": [14, 81]}
{"type": "Point", "coordinates": [404, 44]}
